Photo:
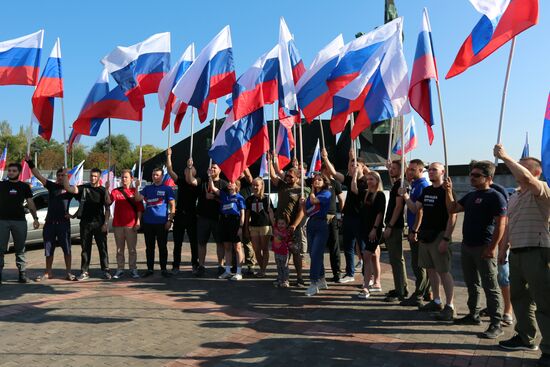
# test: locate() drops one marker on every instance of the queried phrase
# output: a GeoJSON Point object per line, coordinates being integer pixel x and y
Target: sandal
{"type": "Point", "coordinates": [42, 277]}
{"type": "Point", "coordinates": [364, 294]}
{"type": "Point", "coordinates": [70, 277]}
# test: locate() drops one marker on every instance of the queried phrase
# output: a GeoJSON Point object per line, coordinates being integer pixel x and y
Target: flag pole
{"type": "Point", "coordinates": [109, 154]}
{"type": "Point", "coordinates": [390, 139]}
{"type": "Point", "coordinates": [505, 92]}
{"type": "Point", "coordinates": [294, 133]}
{"type": "Point", "coordinates": [29, 135]}
{"type": "Point", "coordinates": [63, 114]}
{"type": "Point", "coordinates": [140, 148]}
{"type": "Point", "coordinates": [301, 159]}
{"type": "Point", "coordinates": [402, 123]}
{"type": "Point", "coordinates": [192, 128]}
{"type": "Point", "coordinates": [322, 131]}
{"type": "Point", "coordinates": [214, 127]}
{"type": "Point", "coordinates": [169, 135]}
{"type": "Point", "coordinates": [274, 113]}
{"type": "Point", "coordinates": [442, 128]}
{"type": "Point", "coordinates": [353, 143]}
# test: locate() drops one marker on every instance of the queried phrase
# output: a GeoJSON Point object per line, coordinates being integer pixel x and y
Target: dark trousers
{"type": "Point", "coordinates": [333, 244]}
{"type": "Point", "coordinates": [88, 232]}
{"type": "Point", "coordinates": [185, 222]}
{"type": "Point", "coordinates": [155, 233]}
{"type": "Point", "coordinates": [422, 284]}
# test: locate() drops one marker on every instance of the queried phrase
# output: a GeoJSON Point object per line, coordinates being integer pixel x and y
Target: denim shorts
{"type": "Point", "coordinates": [503, 276]}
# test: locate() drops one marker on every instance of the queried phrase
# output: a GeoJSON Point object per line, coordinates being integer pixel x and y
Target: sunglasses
{"type": "Point", "coordinates": [477, 175]}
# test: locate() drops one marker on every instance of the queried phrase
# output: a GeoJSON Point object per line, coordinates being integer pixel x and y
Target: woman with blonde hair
{"type": "Point", "coordinates": [257, 223]}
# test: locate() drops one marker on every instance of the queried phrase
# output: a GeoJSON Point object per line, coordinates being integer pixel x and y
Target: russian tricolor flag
{"type": "Point", "coordinates": [138, 69]}
{"type": "Point", "coordinates": [211, 75]}
{"type": "Point", "coordinates": [315, 165]}
{"type": "Point", "coordinates": [74, 138]}
{"type": "Point", "coordinates": [291, 69]}
{"type": "Point", "coordinates": [167, 99]}
{"type": "Point", "coordinates": [410, 139]}
{"type": "Point", "coordinates": [49, 87]}
{"type": "Point", "coordinates": [424, 69]}
{"type": "Point", "coordinates": [167, 179]}
{"type": "Point", "coordinates": [502, 20]}
{"type": "Point", "coordinates": [20, 59]}
{"type": "Point", "coordinates": [258, 85]}
{"type": "Point", "coordinates": [240, 143]}
{"type": "Point", "coordinates": [313, 95]}
{"type": "Point", "coordinates": [87, 125]}
{"type": "Point", "coordinates": [545, 144]}
{"type": "Point", "coordinates": [76, 174]}
{"type": "Point", "coordinates": [284, 145]}
{"type": "Point", "coordinates": [116, 105]}
{"type": "Point", "coordinates": [3, 160]}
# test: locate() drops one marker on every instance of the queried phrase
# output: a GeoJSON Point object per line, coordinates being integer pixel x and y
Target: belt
{"type": "Point", "coordinates": [525, 249]}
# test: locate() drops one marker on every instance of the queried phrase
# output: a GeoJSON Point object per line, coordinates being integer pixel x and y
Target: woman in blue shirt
{"type": "Point", "coordinates": [316, 208]}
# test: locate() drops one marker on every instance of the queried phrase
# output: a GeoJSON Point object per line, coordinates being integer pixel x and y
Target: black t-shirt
{"type": "Point", "coordinates": [374, 204]}
{"type": "Point", "coordinates": [259, 215]}
{"type": "Point", "coordinates": [94, 203]}
{"type": "Point", "coordinates": [434, 209]}
{"type": "Point", "coordinates": [353, 203]}
{"type": "Point", "coordinates": [209, 208]}
{"type": "Point", "coordinates": [400, 223]}
{"type": "Point", "coordinates": [501, 190]}
{"type": "Point", "coordinates": [480, 209]}
{"type": "Point", "coordinates": [187, 197]}
{"type": "Point", "coordinates": [58, 202]}
{"type": "Point", "coordinates": [12, 197]}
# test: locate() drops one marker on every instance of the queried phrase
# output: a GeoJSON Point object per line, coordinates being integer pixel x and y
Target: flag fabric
{"type": "Point", "coordinates": [167, 99]}
{"type": "Point", "coordinates": [501, 21]}
{"type": "Point", "coordinates": [90, 125]}
{"type": "Point", "coordinates": [20, 59]}
{"type": "Point", "coordinates": [35, 182]}
{"type": "Point", "coordinates": [258, 85]}
{"type": "Point", "coordinates": [315, 165]}
{"type": "Point", "coordinates": [3, 160]}
{"type": "Point", "coordinates": [107, 175]}
{"type": "Point", "coordinates": [291, 69]}
{"type": "Point", "coordinates": [49, 87]}
{"type": "Point", "coordinates": [240, 143]}
{"type": "Point", "coordinates": [312, 91]}
{"type": "Point", "coordinates": [284, 145]}
{"type": "Point", "coordinates": [74, 138]}
{"type": "Point", "coordinates": [76, 174]}
{"type": "Point", "coordinates": [264, 167]}
{"type": "Point", "coordinates": [211, 75]}
{"type": "Point", "coordinates": [167, 179]}
{"type": "Point", "coordinates": [26, 173]}
{"type": "Point", "coordinates": [424, 69]}
{"type": "Point", "coordinates": [138, 69]}
{"type": "Point", "coordinates": [410, 139]}
{"type": "Point", "coordinates": [545, 151]}
{"type": "Point", "coordinates": [525, 152]}
{"type": "Point", "coordinates": [134, 170]}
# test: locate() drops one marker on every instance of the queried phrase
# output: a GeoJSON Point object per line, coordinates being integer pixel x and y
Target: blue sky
{"type": "Point", "coordinates": [471, 101]}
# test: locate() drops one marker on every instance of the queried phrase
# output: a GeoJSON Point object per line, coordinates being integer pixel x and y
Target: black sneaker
{"type": "Point", "coordinates": [336, 278]}
{"type": "Point", "coordinates": [469, 319]}
{"type": "Point", "coordinates": [201, 270]}
{"type": "Point", "coordinates": [300, 283]}
{"type": "Point", "coordinates": [431, 307]}
{"type": "Point", "coordinates": [23, 277]}
{"type": "Point", "coordinates": [107, 275]}
{"type": "Point", "coordinates": [447, 314]}
{"type": "Point", "coordinates": [221, 270]}
{"type": "Point", "coordinates": [392, 293]}
{"type": "Point", "coordinates": [484, 312]}
{"type": "Point", "coordinates": [412, 301]}
{"type": "Point", "coordinates": [516, 343]}
{"type": "Point", "coordinates": [147, 273]}
{"type": "Point", "coordinates": [165, 273]}
{"type": "Point", "coordinates": [492, 332]}
{"type": "Point", "coordinates": [544, 360]}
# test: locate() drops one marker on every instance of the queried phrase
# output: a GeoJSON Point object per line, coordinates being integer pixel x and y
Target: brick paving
{"type": "Point", "coordinates": [184, 321]}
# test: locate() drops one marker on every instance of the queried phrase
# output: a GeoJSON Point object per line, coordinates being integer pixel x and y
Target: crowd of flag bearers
{"type": "Point", "coordinates": [363, 82]}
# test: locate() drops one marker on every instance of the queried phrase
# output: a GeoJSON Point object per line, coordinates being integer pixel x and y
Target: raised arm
{"type": "Point", "coordinates": [191, 174]}
{"type": "Point", "coordinates": [248, 176]}
{"type": "Point", "coordinates": [520, 173]}
{"type": "Point", "coordinates": [353, 187]}
{"type": "Point", "coordinates": [169, 167]}
{"type": "Point", "coordinates": [138, 196]}
{"type": "Point", "coordinates": [452, 205]}
{"type": "Point", "coordinates": [272, 170]}
{"type": "Point", "coordinates": [70, 189]}
{"type": "Point", "coordinates": [35, 172]}
{"type": "Point", "coordinates": [212, 188]}
{"type": "Point", "coordinates": [337, 175]}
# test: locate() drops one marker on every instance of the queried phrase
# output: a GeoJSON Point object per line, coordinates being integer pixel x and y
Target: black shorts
{"type": "Point", "coordinates": [229, 228]}
{"type": "Point", "coordinates": [57, 233]}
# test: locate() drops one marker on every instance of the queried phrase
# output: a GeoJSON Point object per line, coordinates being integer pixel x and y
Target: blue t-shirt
{"type": "Point", "coordinates": [319, 210]}
{"type": "Point", "coordinates": [156, 203]}
{"type": "Point", "coordinates": [480, 209]}
{"type": "Point", "coordinates": [416, 190]}
{"type": "Point", "coordinates": [231, 204]}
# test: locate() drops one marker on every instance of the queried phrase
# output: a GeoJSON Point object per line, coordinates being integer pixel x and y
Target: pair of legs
{"type": "Point", "coordinates": [18, 230]}
{"type": "Point", "coordinates": [299, 247]}
{"type": "Point", "coordinates": [57, 233]}
{"type": "Point", "coordinates": [317, 234]}
{"type": "Point", "coordinates": [422, 283]}
{"type": "Point", "coordinates": [156, 233]}
{"type": "Point", "coordinates": [438, 266]}
{"type": "Point", "coordinates": [353, 238]}
{"type": "Point", "coordinates": [259, 237]}
{"type": "Point", "coordinates": [371, 267]}
{"type": "Point", "coordinates": [126, 237]}
{"type": "Point", "coordinates": [333, 245]}
{"type": "Point", "coordinates": [205, 228]}
{"type": "Point", "coordinates": [185, 222]}
{"type": "Point", "coordinates": [93, 231]}
{"type": "Point", "coordinates": [394, 245]}
{"type": "Point", "coordinates": [228, 251]}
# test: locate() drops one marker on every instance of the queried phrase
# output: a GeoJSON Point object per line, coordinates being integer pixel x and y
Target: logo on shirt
{"type": "Point", "coordinates": [13, 192]}
{"type": "Point", "coordinates": [478, 201]}
{"type": "Point", "coordinates": [161, 193]}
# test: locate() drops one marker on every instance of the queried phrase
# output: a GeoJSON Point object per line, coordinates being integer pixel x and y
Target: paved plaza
{"type": "Point", "coordinates": [186, 321]}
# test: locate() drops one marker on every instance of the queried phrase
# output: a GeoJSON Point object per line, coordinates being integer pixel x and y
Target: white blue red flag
{"type": "Point", "coordinates": [3, 160]}
{"type": "Point", "coordinates": [74, 138]}
{"type": "Point", "coordinates": [76, 174]}
{"type": "Point", "coordinates": [313, 95]}
{"type": "Point", "coordinates": [211, 75]}
{"type": "Point", "coordinates": [284, 145]}
{"type": "Point", "coordinates": [264, 167]}
{"type": "Point", "coordinates": [315, 165]}
{"type": "Point", "coordinates": [545, 152]}
{"type": "Point", "coordinates": [411, 141]}
{"type": "Point", "coordinates": [258, 85]}
{"type": "Point", "coordinates": [424, 69]}
{"type": "Point", "coordinates": [26, 174]}
{"type": "Point", "coordinates": [107, 175]}
{"type": "Point", "coordinates": [167, 179]}
{"type": "Point", "coordinates": [501, 21]}
{"type": "Point", "coordinates": [49, 87]}
{"type": "Point", "coordinates": [525, 152]}
{"type": "Point", "coordinates": [20, 59]}
{"type": "Point", "coordinates": [240, 143]}
{"type": "Point", "coordinates": [138, 69]}
{"type": "Point", "coordinates": [167, 99]}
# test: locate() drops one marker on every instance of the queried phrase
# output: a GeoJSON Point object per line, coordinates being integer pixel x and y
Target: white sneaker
{"type": "Point", "coordinates": [134, 273]}
{"type": "Point", "coordinates": [119, 273]}
{"type": "Point", "coordinates": [236, 277]}
{"type": "Point", "coordinates": [322, 284]}
{"type": "Point", "coordinates": [347, 279]}
{"type": "Point", "coordinates": [312, 290]}
{"type": "Point", "coordinates": [225, 275]}
{"type": "Point", "coordinates": [359, 264]}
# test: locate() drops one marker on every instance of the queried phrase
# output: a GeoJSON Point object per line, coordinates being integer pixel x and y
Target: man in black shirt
{"type": "Point", "coordinates": [186, 212]}
{"type": "Point", "coordinates": [393, 234]}
{"type": "Point", "coordinates": [57, 227]}
{"type": "Point", "coordinates": [436, 228]}
{"type": "Point", "coordinates": [13, 194]}
{"type": "Point", "coordinates": [94, 221]}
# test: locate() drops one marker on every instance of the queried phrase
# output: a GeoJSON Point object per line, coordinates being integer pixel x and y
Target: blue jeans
{"type": "Point", "coordinates": [351, 227]}
{"type": "Point", "coordinates": [317, 235]}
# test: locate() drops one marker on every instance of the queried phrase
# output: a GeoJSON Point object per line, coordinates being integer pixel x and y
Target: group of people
{"type": "Point", "coordinates": [505, 246]}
